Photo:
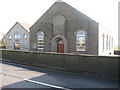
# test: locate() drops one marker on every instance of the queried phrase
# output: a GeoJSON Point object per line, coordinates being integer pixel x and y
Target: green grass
{"type": "Point", "coordinates": [117, 49]}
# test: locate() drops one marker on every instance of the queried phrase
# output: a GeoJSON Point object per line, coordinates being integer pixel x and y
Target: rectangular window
{"type": "Point", "coordinates": [107, 42]}
{"type": "Point", "coordinates": [112, 43]}
{"type": "Point", "coordinates": [24, 36]}
{"type": "Point", "coordinates": [81, 44]}
{"type": "Point", "coordinates": [103, 41]}
{"type": "Point", "coordinates": [17, 36]}
{"type": "Point", "coordinates": [9, 37]}
{"type": "Point", "coordinates": [16, 46]}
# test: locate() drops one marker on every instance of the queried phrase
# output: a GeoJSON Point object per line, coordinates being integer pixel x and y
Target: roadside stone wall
{"type": "Point", "coordinates": [104, 65]}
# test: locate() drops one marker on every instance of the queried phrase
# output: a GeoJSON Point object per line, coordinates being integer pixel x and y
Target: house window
{"type": "Point", "coordinates": [17, 46]}
{"type": "Point", "coordinates": [17, 36]}
{"type": "Point", "coordinates": [80, 44]}
{"type": "Point", "coordinates": [103, 41]}
{"type": "Point", "coordinates": [112, 43]}
{"type": "Point", "coordinates": [107, 42]}
{"type": "Point", "coordinates": [9, 37]}
{"type": "Point", "coordinates": [40, 37]}
{"type": "Point", "coordinates": [24, 36]}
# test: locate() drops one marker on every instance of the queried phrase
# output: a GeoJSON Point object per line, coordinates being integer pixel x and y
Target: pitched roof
{"type": "Point", "coordinates": [25, 25]}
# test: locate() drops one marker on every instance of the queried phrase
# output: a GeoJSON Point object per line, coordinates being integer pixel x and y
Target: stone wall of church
{"type": "Point", "coordinates": [63, 21]}
{"type": "Point", "coordinates": [69, 33]}
{"type": "Point", "coordinates": [90, 27]}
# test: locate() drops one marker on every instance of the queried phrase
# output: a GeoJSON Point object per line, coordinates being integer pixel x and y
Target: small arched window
{"type": "Point", "coordinates": [80, 44]}
{"type": "Point", "coordinates": [40, 38]}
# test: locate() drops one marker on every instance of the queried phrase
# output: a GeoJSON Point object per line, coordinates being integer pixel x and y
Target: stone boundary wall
{"type": "Point", "coordinates": [104, 65]}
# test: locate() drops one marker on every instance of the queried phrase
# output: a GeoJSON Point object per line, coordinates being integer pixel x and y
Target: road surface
{"type": "Point", "coordinates": [22, 76]}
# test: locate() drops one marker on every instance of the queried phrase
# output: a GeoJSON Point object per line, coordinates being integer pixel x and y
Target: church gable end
{"type": "Point", "coordinates": [59, 23]}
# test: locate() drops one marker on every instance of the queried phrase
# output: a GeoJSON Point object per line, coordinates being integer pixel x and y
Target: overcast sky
{"type": "Point", "coordinates": [28, 11]}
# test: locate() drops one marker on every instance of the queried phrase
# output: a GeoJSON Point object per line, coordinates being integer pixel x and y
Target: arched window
{"type": "Point", "coordinates": [80, 44]}
{"type": "Point", "coordinates": [40, 38]}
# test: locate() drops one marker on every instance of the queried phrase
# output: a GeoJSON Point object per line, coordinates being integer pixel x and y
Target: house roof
{"type": "Point", "coordinates": [24, 25]}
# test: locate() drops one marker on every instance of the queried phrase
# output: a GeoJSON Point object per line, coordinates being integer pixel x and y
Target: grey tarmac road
{"type": "Point", "coordinates": [22, 76]}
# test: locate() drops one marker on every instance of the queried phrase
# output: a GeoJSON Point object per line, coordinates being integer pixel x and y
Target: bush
{"type": "Point", "coordinates": [3, 47]}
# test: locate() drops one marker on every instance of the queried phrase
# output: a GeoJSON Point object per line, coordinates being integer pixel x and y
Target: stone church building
{"type": "Point", "coordinates": [64, 29]}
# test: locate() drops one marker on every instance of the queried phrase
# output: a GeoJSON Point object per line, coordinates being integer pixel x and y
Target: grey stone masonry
{"type": "Point", "coordinates": [61, 21]}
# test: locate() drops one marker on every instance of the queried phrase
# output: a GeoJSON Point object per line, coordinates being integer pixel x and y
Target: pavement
{"type": "Point", "coordinates": [21, 76]}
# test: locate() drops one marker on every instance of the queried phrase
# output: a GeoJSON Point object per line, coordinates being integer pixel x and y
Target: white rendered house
{"type": "Point", "coordinates": [18, 37]}
{"type": "Point", "coordinates": [106, 41]}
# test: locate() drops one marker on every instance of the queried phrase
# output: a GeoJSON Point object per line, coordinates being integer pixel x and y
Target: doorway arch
{"type": "Point", "coordinates": [59, 44]}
